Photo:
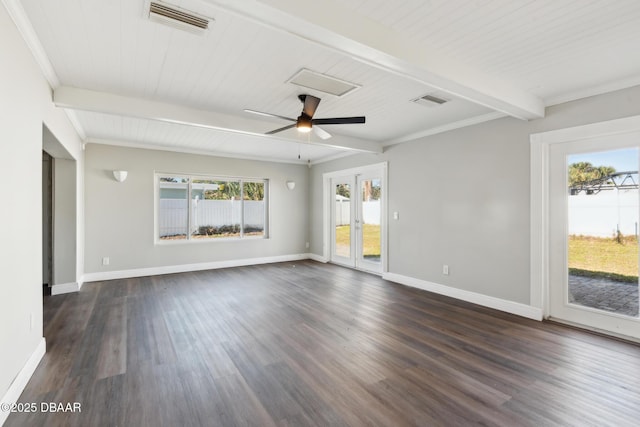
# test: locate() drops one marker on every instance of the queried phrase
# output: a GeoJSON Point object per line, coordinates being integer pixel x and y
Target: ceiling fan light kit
{"type": "Point", "coordinates": [303, 124]}
{"type": "Point", "coordinates": [305, 121]}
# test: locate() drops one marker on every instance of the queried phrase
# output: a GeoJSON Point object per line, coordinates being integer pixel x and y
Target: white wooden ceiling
{"type": "Point", "coordinates": [490, 57]}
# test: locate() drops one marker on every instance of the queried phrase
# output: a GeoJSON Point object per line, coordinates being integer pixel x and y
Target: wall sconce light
{"type": "Point", "coordinates": [291, 185]}
{"type": "Point", "coordinates": [120, 176]}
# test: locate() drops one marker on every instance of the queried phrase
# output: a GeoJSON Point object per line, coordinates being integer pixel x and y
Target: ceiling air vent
{"type": "Point", "coordinates": [176, 17]}
{"type": "Point", "coordinates": [322, 83]}
{"type": "Point", "coordinates": [430, 100]}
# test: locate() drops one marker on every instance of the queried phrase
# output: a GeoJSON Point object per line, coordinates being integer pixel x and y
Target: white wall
{"type": "Point", "coordinates": [120, 216]}
{"type": "Point", "coordinates": [463, 198]}
{"type": "Point", "coordinates": [25, 104]}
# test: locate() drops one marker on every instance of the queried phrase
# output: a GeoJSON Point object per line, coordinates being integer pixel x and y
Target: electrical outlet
{"type": "Point", "coordinates": [105, 260]}
{"type": "Point", "coordinates": [445, 269]}
{"type": "Point", "coordinates": [306, 245]}
{"type": "Point", "coordinates": [396, 215]}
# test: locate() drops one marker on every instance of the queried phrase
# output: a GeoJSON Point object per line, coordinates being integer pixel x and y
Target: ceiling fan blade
{"type": "Point", "coordinates": [323, 134]}
{"type": "Point", "coordinates": [281, 129]}
{"type": "Point", "coordinates": [310, 105]}
{"type": "Point", "coordinates": [339, 120]}
{"type": "Point", "coordinates": [260, 113]}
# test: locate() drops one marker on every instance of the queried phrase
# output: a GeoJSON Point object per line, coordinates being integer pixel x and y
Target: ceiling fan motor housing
{"type": "Point", "coordinates": [303, 123]}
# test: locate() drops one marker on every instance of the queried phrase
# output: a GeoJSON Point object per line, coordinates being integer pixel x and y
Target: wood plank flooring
{"type": "Point", "coordinates": [309, 344]}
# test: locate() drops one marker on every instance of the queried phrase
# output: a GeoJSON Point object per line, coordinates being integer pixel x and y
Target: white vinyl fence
{"type": "Point", "coordinates": [343, 212]}
{"type": "Point", "coordinates": [603, 213]}
{"type": "Point", "coordinates": [172, 217]}
{"type": "Point", "coordinates": [370, 212]}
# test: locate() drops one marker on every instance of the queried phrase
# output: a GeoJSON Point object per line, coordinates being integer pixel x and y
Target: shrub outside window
{"type": "Point", "coordinates": [206, 208]}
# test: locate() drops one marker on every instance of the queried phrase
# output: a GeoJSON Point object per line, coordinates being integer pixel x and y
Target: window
{"type": "Point", "coordinates": [204, 208]}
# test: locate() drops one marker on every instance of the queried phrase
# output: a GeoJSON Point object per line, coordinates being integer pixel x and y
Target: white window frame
{"type": "Point", "coordinates": [190, 178]}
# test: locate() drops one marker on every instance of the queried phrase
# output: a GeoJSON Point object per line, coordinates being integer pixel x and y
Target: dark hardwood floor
{"type": "Point", "coordinates": [296, 344]}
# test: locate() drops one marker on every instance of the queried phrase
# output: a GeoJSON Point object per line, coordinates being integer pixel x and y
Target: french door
{"type": "Point", "coordinates": [594, 215]}
{"type": "Point", "coordinates": [356, 218]}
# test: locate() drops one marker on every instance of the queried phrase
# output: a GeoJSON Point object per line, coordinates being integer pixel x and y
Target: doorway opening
{"type": "Point", "coordinates": [47, 222]}
{"type": "Point", "coordinates": [59, 211]}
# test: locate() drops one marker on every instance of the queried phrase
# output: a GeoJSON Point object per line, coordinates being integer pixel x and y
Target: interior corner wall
{"type": "Point", "coordinates": [120, 215]}
{"type": "Point", "coordinates": [463, 198]}
{"type": "Point", "coordinates": [25, 105]}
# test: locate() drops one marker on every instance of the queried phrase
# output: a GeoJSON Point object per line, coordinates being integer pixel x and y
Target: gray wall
{"type": "Point", "coordinates": [120, 216]}
{"type": "Point", "coordinates": [463, 198]}
{"type": "Point", "coordinates": [64, 221]}
{"type": "Point", "coordinates": [47, 218]}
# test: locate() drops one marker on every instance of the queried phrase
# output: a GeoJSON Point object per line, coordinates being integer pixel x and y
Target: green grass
{"type": "Point", "coordinates": [371, 239]}
{"type": "Point", "coordinates": [588, 256]}
{"type": "Point", "coordinates": [604, 257]}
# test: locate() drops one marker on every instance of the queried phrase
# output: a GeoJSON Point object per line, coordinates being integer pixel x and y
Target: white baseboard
{"type": "Point", "coordinates": [65, 288]}
{"type": "Point", "coordinates": [318, 258]}
{"type": "Point", "coordinates": [20, 382]}
{"type": "Point", "coordinates": [516, 308]}
{"type": "Point", "coordinates": [183, 268]}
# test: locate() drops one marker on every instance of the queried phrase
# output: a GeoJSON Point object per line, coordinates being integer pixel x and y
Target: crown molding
{"type": "Point", "coordinates": [448, 127]}
{"type": "Point", "coordinates": [28, 33]}
{"type": "Point", "coordinates": [593, 91]}
{"type": "Point", "coordinates": [173, 149]}
{"type": "Point", "coordinates": [19, 17]}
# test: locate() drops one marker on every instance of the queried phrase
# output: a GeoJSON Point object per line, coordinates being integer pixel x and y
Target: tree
{"type": "Point", "coordinates": [371, 190]}
{"type": "Point", "coordinates": [582, 172]}
{"type": "Point", "coordinates": [343, 190]}
{"type": "Point", "coordinates": [227, 190]}
{"type": "Point", "coordinates": [253, 190]}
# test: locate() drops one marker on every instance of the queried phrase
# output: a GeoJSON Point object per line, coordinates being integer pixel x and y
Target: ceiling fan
{"type": "Point", "coordinates": [305, 122]}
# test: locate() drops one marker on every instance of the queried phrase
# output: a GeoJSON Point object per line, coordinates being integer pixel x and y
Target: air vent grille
{"type": "Point", "coordinates": [177, 18]}
{"type": "Point", "coordinates": [430, 100]}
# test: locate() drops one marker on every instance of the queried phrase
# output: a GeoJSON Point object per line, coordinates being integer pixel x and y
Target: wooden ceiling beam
{"type": "Point", "coordinates": [108, 103]}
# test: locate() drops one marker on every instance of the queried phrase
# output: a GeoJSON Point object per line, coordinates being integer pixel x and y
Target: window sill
{"type": "Point", "coordinates": [159, 242]}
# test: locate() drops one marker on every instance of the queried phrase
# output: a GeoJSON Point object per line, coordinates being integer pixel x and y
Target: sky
{"type": "Point", "coordinates": [623, 160]}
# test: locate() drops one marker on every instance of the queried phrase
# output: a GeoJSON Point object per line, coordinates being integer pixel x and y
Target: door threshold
{"type": "Point", "coordinates": [375, 273]}
{"type": "Point", "coordinates": [595, 331]}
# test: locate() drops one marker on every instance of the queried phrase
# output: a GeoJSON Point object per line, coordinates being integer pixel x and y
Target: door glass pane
{"type": "Point", "coordinates": [603, 230]}
{"type": "Point", "coordinates": [371, 209]}
{"type": "Point", "coordinates": [173, 214]}
{"type": "Point", "coordinates": [343, 220]}
{"type": "Point", "coordinates": [215, 209]}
